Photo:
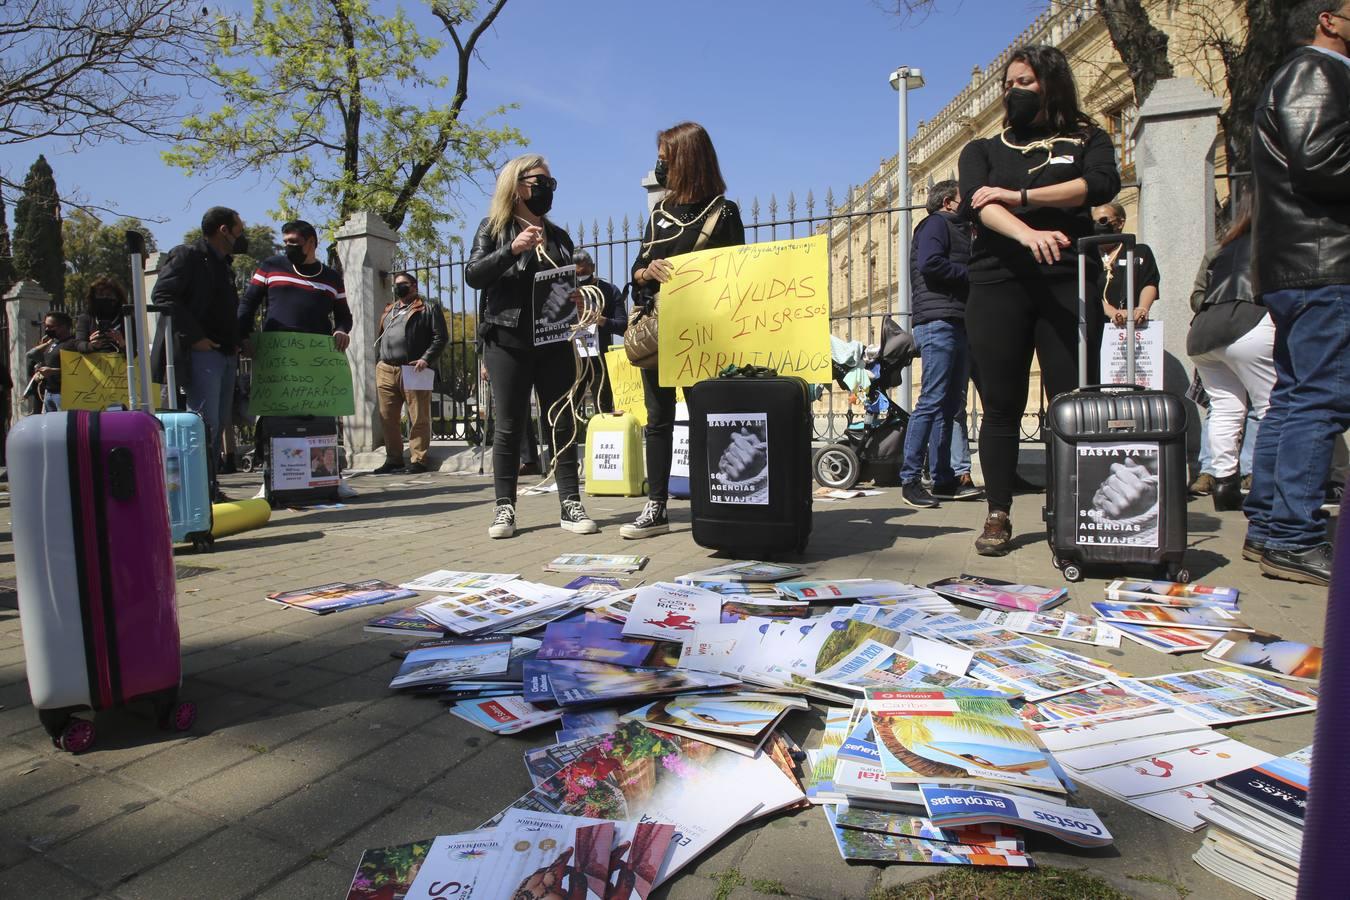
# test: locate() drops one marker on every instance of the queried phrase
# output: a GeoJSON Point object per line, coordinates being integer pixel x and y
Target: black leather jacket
{"type": "Point", "coordinates": [1301, 161]}
{"type": "Point", "coordinates": [506, 280]}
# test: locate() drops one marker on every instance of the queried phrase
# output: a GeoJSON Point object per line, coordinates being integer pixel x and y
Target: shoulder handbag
{"type": "Point", "coordinates": [640, 338]}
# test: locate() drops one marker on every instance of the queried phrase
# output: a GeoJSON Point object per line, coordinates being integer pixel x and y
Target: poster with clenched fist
{"type": "Point", "coordinates": [738, 458]}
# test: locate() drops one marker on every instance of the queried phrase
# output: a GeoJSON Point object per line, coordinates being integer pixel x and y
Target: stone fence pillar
{"type": "Point", "coordinates": [25, 305]}
{"type": "Point", "coordinates": [1174, 158]}
{"type": "Point", "coordinates": [365, 246]}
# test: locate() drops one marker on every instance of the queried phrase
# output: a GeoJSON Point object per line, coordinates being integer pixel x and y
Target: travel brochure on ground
{"type": "Point", "coordinates": [328, 598]}
{"type": "Point", "coordinates": [948, 738]}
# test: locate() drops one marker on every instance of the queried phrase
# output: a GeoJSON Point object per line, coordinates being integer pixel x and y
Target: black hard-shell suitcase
{"type": "Point", "coordinates": [1116, 491]}
{"type": "Point", "coordinates": [750, 463]}
{"type": "Point", "coordinates": [302, 460]}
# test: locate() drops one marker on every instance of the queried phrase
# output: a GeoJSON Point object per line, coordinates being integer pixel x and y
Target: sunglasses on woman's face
{"type": "Point", "coordinates": [547, 181]}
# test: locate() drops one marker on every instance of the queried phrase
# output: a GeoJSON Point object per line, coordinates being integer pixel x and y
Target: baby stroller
{"type": "Point", "coordinates": [871, 449]}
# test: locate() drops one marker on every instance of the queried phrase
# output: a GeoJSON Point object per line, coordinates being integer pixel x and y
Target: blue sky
{"type": "Point", "coordinates": [794, 94]}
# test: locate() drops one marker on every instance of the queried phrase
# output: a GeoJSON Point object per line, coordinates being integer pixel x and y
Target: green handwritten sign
{"type": "Point", "coordinates": [299, 375]}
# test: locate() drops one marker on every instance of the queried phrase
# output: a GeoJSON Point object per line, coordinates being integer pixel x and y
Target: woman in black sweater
{"type": "Point", "coordinates": [693, 215]}
{"type": "Point", "coordinates": [513, 243]}
{"type": "Point", "coordinates": [1030, 191]}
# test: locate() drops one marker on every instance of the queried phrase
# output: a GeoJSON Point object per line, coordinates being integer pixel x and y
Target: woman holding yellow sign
{"type": "Point", "coordinates": [522, 263]}
{"type": "Point", "coordinates": [693, 215]}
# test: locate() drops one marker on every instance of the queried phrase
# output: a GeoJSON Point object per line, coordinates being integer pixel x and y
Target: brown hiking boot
{"type": "Point", "coordinates": [1202, 486]}
{"type": "Point", "coordinates": [996, 539]}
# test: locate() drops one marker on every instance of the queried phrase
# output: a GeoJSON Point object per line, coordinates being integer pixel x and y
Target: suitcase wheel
{"type": "Point", "coordinates": [1179, 574]}
{"type": "Point", "coordinates": [836, 466]}
{"type": "Point", "coordinates": [77, 736]}
{"type": "Point", "coordinates": [178, 716]}
{"type": "Point", "coordinates": [1072, 572]}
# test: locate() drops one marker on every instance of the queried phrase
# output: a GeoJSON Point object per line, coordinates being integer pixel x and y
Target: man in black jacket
{"type": "Point", "coordinates": [412, 335]}
{"type": "Point", "coordinates": [938, 261]}
{"type": "Point", "coordinates": [196, 281]}
{"type": "Point", "coordinates": [1301, 272]}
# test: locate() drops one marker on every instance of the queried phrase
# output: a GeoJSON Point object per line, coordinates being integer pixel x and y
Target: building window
{"type": "Point", "coordinates": [1120, 125]}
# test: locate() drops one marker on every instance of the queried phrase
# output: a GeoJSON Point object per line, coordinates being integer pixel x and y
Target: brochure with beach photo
{"type": "Point", "coordinates": [453, 661]}
{"type": "Point", "coordinates": [740, 722]}
{"type": "Point", "coordinates": [1172, 593]}
{"type": "Point", "coordinates": [474, 612]}
{"type": "Point", "coordinates": [337, 596]}
{"type": "Point", "coordinates": [880, 847]}
{"type": "Point", "coordinates": [994, 593]}
{"type": "Point", "coordinates": [880, 666]}
{"type": "Point", "coordinates": [928, 736]}
{"type": "Point", "coordinates": [1203, 618]}
{"type": "Point", "coordinates": [1267, 654]}
{"type": "Point", "coordinates": [1221, 697]}
{"type": "Point", "coordinates": [636, 775]}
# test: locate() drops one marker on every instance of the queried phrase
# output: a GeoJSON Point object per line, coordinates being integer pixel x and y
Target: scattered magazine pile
{"type": "Point", "coordinates": [1169, 616]}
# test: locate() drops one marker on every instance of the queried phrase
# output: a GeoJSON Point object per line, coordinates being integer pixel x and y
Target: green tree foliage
{"type": "Point", "coordinates": [334, 97]}
{"type": "Point", "coordinates": [6, 254]}
{"type": "Point", "coordinates": [94, 250]}
{"type": "Point", "coordinates": [262, 243]}
{"type": "Point", "coordinates": [38, 254]}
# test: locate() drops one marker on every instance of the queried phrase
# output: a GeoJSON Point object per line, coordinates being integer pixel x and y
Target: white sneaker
{"type": "Point", "coordinates": [503, 521]}
{"type": "Point", "coordinates": [574, 518]}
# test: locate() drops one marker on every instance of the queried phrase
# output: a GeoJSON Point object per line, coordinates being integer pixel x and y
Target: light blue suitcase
{"type": "Point", "coordinates": [186, 473]}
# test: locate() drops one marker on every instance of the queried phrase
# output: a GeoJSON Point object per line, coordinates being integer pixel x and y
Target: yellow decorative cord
{"type": "Point", "coordinates": [1046, 144]}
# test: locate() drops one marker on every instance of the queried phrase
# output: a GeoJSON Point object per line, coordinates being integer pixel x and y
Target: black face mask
{"type": "Point", "coordinates": [402, 290]}
{"type": "Point", "coordinates": [1104, 228]}
{"type": "Point", "coordinates": [541, 199]}
{"type": "Point", "coordinates": [49, 332]}
{"type": "Point", "coordinates": [1022, 107]}
{"type": "Point", "coordinates": [295, 254]}
{"type": "Point", "coordinates": [660, 172]}
{"type": "Point", "coordinates": [240, 244]}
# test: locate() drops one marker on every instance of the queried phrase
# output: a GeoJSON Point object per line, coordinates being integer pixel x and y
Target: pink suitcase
{"type": "Point", "coordinates": [95, 568]}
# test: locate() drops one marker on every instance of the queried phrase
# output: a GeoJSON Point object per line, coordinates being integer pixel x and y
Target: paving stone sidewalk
{"type": "Point", "coordinates": [301, 757]}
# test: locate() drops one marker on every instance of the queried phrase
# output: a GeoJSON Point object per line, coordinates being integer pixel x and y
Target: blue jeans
{"type": "Point", "coordinates": [961, 431]}
{"type": "Point", "coordinates": [946, 369]}
{"type": "Point", "coordinates": [210, 394]}
{"type": "Point", "coordinates": [1309, 409]}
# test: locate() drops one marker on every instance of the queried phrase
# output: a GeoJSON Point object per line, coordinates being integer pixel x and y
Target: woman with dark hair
{"type": "Point", "coordinates": [99, 327]}
{"type": "Point", "coordinates": [693, 215]}
{"type": "Point", "coordinates": [514, 242]}
{"type": "Point", "coordinates": [1232, 343]}
{"type": "Point", "coordinates": [1030, 190]}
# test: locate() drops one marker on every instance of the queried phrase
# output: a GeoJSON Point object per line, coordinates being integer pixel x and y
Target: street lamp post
{"type": "Point", "coordinates": [904, 80]}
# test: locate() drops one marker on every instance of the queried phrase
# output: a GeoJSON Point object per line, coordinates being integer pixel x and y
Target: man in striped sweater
{"type": "Point", "coordinates": [299, 293]}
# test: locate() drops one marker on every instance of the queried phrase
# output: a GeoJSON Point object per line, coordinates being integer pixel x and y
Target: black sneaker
{"type": "Point", "coordinates": [1311, 566]}
{"type": "Point", "coordinates": [914, 494]}
{"type": "Point", "coordinates": [1335, 493]}
{"type": "Point", "coordinates": [387, 468]}
{"type": "Point", "coordinates": [1252, 549]}
{"type": "Point", "coordinates": [416, 468]}
{"type": "Point", "coordinates": [574, 518]}
{"type": "Point", "coordinates": [963, 488]}
{"type": "Point", "coordinates": [503, 521]}
{"type": "Point", "coordinates": [650, 522]}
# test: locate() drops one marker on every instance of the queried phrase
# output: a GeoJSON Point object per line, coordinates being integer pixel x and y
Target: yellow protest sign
{"type": "Point", "coordinates": [625, 382]}
{"type": "Point", "coordinates": [96, 381]}
{"type": "Point", "coordinates": [753, 305]}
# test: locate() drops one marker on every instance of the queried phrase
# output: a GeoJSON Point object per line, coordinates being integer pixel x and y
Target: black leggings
{"type": "Point", "coordinates": [1005, 322]}
{"type": "Point", "coordinates": [513, 372]}
{"type": "Point", "coordinates": [660, 434]}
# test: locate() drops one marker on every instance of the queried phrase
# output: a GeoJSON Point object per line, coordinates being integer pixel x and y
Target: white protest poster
{"type": "Point", "coordinates": [554, 310]}
{"type": "Point", "coordinates": [587, 341]}
{"type": "Point", "coordinates": [1118, 494]}
{"type": "Point", "coordinates": [302, 463]}
{"type": "Point", "coordinates": [738, 458]}
{"type": "Point", "coordinates": [1148, 355]}
{"type": "Point", "coordinates": [414, 380]}
{"type": "Point", "coordinates": [679, 455]}
{"type": "Point", "coordinates": [607, 456]}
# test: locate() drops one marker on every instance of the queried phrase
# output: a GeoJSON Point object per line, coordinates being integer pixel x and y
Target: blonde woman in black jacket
{"type": "Point", "coordinates": [514, 242]}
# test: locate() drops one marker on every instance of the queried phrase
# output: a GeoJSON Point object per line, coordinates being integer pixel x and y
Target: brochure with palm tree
{"type": "Point", "coordinates": [926, 736]}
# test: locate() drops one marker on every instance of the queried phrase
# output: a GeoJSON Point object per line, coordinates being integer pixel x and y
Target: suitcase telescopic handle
{"type": "Point", "coordinates": [1087, 245]}
{"type": "Point", "coordinates": [135, 325]}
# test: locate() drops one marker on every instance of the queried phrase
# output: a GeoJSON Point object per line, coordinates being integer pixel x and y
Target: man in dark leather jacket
{"type": "Point", "coordinates": [1301, 272]}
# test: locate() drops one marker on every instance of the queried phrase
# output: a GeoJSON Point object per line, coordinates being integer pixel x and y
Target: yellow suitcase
{"type": "Point", "coordinates": [615, 466]}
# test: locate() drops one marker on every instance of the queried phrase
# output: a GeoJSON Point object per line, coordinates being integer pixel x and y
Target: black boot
{"type": "Point", "coordinates": [1228, 493]}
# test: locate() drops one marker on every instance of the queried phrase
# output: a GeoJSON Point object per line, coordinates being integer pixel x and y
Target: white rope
{"type": "Point", "coordinates": [1046, 144]}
